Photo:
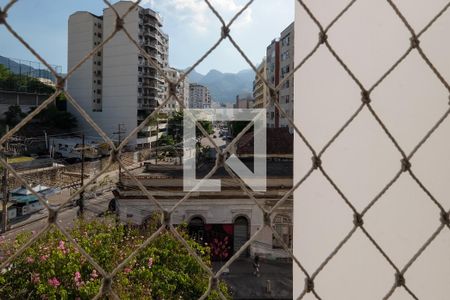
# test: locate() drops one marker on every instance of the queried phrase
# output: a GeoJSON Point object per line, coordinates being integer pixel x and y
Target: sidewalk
{"type": "Point", "coordinates": [244, 285]}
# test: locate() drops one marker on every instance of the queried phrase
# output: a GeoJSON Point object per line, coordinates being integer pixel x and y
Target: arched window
{"type": "Point", "coordinates": [241, 228]}
{"type": "Point", "coordinates": [196, 229]}
{"type": "Point", "coordinates": [283, 226]}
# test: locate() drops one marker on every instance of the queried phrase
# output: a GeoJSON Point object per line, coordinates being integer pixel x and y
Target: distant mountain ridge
{"type": "Point", "coordinates": [24, 69]}
{"type": "Point", "coordinates": [224, 87]}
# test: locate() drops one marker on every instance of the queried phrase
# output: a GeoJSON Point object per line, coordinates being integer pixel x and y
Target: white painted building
{"type": "Point", "coordinates": [199, 96]}
{"type": "Point", "coordinates": [213, 215]}
{"type": "Point", "coordinates": [118, 85]}
{"type": "Point", "coordinates": [182, 90]}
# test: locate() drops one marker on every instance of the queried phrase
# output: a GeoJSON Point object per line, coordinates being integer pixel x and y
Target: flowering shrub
{"type": "Point", "coordinates": [220, 248]}
{"type": "Point", "coordinates": [52, 268]}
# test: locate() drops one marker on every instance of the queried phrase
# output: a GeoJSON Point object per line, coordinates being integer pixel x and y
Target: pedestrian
{"type": "Point", "coordinates": [256, 266]}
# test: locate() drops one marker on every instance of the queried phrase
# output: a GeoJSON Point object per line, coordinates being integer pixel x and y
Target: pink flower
{"type": "Point", "coordinates": [127, 270]}
{"type": "Point", "coordinates": [30, 260]}
{"type": "Point", "coordinates": [62, 247]}
{"type": "Point", "coordinates": [44, 257]}
{"type": "Point", "coordinates": [77, 276]}
{"type": "Point", "coordinates": [77, 279]}
{"type": "Point", "coordinates": [54, 282]}
{"type": "Point", "coordinates": [35, 278]}
{"type": "Point", "coordinates": [94, 274]}
{"type": "Point", "coordinates": [150, 262]}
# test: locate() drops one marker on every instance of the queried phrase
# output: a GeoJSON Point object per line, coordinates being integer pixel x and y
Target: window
{"type": "Point", "coordinates": [286, 40]}
{"type": "Point", "coordinates": [283, 227]}
{"type": "Point", "coordinates": [99, 91]}
{"type": "Point", "coordinates": [287, 98]}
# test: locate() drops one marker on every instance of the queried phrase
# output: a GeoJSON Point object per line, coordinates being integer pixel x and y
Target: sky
{"type": "Point", "coordinates": [191, 26]}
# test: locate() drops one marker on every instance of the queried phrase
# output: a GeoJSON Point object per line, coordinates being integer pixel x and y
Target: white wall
{"type": "Point", "coordinates": [120, 73]}
{"type": "Point", "coordinates": [80, 84]}
{"type": "Point", "coordinates": [370, 38]}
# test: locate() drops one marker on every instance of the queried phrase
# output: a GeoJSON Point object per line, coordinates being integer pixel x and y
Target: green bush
{"type": "Point", "coordinates": [52, 268]}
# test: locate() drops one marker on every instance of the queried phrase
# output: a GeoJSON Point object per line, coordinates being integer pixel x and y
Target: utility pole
{"type": "Point", "coordinates": [157, 138]}
{"type": "Point", "coordinates": [5, 190]}
{"type": "Point", "coordinates": [81, 199]}
{"type": "Point", "coordinates": [5, 199]}
{"type": "Point", "coordinates": [119, 133]}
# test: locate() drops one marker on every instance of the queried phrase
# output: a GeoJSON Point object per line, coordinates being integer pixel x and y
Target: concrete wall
{"type": "Point", "coordinates": [370, 38]}
{"type": "Point", "coordinates": [81, 84]}
{"type": "Point", "coordinates": [120, 73]}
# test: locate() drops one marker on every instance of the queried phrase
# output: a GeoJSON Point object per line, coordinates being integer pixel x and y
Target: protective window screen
{"type": "Point", "coordinates": [87, 86]}
{"type": "Point", "coordinates": [371, 212]}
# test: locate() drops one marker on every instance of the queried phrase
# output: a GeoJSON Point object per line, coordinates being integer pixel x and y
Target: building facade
{"type": "Point", "coordinates": [260, 91]}
{"type": "Point", "coordinates": [229, 216]}
{"type": "Point", "coordinates": [286, 94]}
{"type": "Point", "coordinates": [182, 90]}
{"type": "Point", "coordinates": [273, 78]}
{"type": "Point", "coordinates": [118, 85]}
{"type": "Point", "coordinates": [244, 102]}
{"type": "Point", "coordinates": [199, 96]}
{"type": "Point", "coordinates": [280, 63]}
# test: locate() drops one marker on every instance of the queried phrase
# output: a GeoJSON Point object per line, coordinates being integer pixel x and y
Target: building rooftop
{"type": "Point", "coordinates": [280, 142]}
{"type": "Point", "coordinates": [275, 169]}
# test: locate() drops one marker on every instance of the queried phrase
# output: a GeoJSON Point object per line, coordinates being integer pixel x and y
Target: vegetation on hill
{"type": "Point", "coordinates": [21, 83]}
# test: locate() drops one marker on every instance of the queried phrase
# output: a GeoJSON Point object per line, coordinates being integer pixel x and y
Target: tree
{"type": "Point", "coordinates": [175, 127]}
{"type": "Point", "coordinates": [14, 115]}
{"type": "Point", "coordinates": [22, 83]}
{"type": "Point", "coordinates": [54, 118]}
{"type": "Point", "coordinates": [52, 268]}
{"type": "Point", "coordinates": [238, 126]}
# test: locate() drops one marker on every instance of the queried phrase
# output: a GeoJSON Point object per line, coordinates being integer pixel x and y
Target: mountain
{"type": "Point", "coordinates": [24, 69]}
{"type": "Point", "coordinates": [224, 87]}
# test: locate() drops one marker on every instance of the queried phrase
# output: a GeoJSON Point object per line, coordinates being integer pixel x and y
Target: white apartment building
{"type": "Point", "coordinates": [182, 90]}
{"type": "Point", "coordinates": [118, 85]}
{"type": "Point", "coordinates": [199, 96]}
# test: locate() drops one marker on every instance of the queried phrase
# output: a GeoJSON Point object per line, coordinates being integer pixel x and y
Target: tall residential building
{"type": "Point", "coordinates": [118, 85]}
{"type": "Point", "coordinates": [182, 90]}
{"type": "Point", "coordinates": [286, 95]}
{"type": "Point", "coordinates": [260, 90]}
{"type": "Point", "coordinates": [280, 62]}
{"type": "Point", "coordinates": [273, 78]}
{"type": "Point", "coordinates": [199, 96]}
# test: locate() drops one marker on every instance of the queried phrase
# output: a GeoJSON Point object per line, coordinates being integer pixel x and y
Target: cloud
{"type": "Point", "coordinates": [196, 13]}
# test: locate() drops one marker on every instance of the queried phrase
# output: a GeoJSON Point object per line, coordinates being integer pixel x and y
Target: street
{"type": "Point", "coordinates": [66, 216]}
{"type": "Point", "coordinates": [221, 142]}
